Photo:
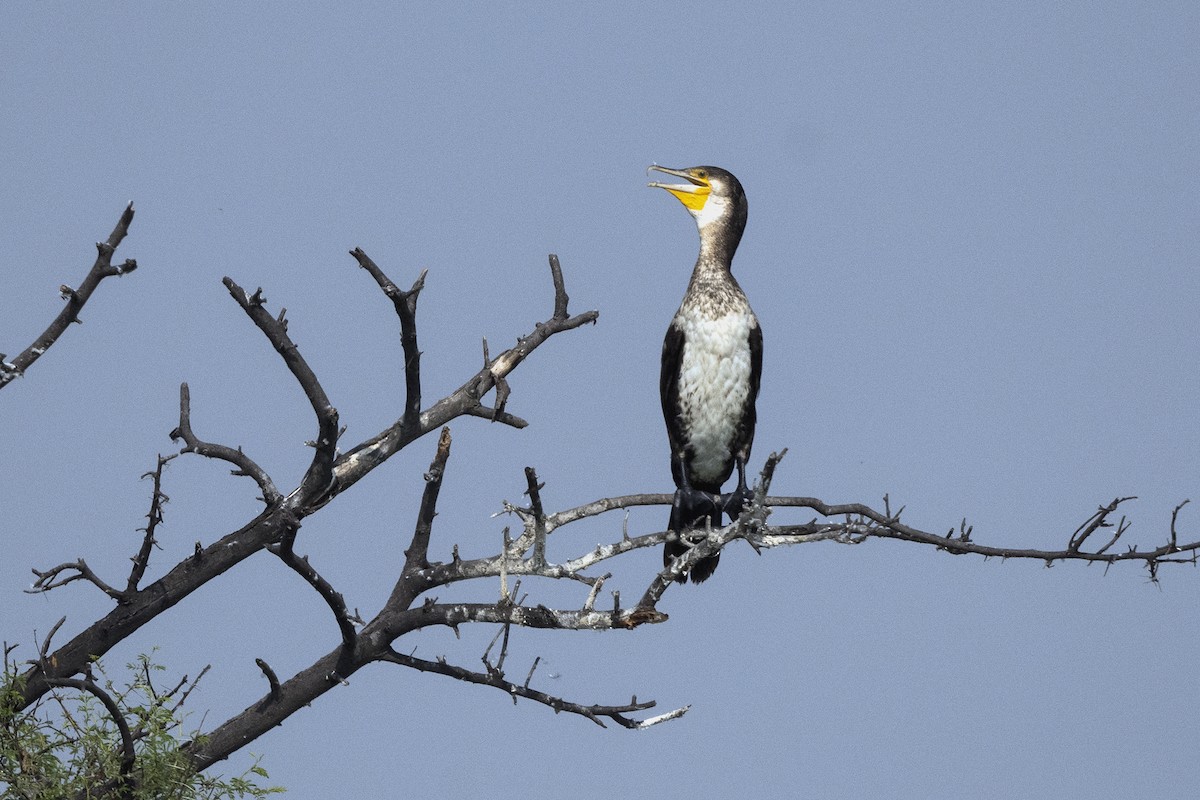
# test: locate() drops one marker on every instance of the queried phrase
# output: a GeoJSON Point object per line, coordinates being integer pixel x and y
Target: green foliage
{"type": "Point", "coordinates": [69, 746]}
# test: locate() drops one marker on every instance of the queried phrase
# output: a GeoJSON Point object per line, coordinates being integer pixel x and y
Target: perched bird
{"type": "Point", "coordinates": [711, 366]}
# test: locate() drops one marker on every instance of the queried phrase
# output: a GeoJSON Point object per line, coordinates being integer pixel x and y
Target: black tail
{"type": "Point", "coordinates": [692, 510]}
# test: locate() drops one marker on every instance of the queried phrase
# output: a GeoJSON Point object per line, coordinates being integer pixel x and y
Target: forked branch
{"type": "Point", "coordinates": [464, 401]}
{"type": "Point", "coordinates": [242, 463]}
{"type": "Point", "coordinates": [69, 572]}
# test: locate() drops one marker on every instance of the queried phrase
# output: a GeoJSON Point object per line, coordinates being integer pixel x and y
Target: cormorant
{"type": "Point", "coordinates": [711, 366]}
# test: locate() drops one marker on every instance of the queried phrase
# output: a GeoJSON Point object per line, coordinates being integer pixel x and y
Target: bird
{"type": "Point", "coordinates": [711, 366]}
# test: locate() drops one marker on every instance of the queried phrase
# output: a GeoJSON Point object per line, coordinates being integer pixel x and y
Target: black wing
{"type": "Point", "coordinates": [668, 388]}
{"type": "Point", "coordinates": [745, 437]}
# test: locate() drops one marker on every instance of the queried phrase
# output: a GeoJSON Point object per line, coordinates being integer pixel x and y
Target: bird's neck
{"type": "Point", "coordinates": [713, 286]}
{"type": "Point", "coordinates": [711, 268]}
{"type": "Point", "coordinates": [718, 243]}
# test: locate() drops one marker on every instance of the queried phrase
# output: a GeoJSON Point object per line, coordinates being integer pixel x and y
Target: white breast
{"type": "Point", "coordinates": [714, 381]}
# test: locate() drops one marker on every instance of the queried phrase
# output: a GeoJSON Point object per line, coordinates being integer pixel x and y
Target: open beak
{"type": "Point", "coordinates": [693, 194]}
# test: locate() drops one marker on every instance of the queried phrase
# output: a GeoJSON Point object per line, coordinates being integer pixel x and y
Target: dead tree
{"type": "Point", "coordinates": [411, 606]}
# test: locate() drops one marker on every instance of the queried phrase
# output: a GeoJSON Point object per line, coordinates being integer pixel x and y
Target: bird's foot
{"type": "Point", "coordinates": [733, 503]}
{"type": "Point", "coordinates": [691, 507]}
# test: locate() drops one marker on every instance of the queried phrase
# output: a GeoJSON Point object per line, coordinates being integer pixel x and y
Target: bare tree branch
{"type": "Point", "coordinates": [284, 510]}
{"type": "Point", "coordinates": [155, 516]}
{"type": "Point", "coordinates": [865, 521]}
{"type": "Point", "coordinates": [596, 713]}
{"type": "Point", "coordinates": [406, 310]}
{"type": "Point", "coordinates": [272, 681]}
{"type": "Point", "coordinates": [318, 480]}
{"type": "Point", "coordinates": [76, 299]}
{"type": "Point", "coordinates": [357, 462]}
{"type": "Point", "coordinates": [417, 554]}
{"type": "Point", "coordinates": [377, 639]}
{"type": "Point", "coordinates": [333, 598]}
{"type": "Point", "coordinates": [495, 415]}
{"type": "Point", "coordinates": [847, 523]}
{"type": "Point", "coordinates": [76, 571]}
{"type": "Point", "coordinates": [398, 617]}
{"type": "Point", "coordinates": [537, 517]}
{"type": "Point", "coordinates": [243, 464]}
{"type": "Point", "coordinates": [560, 288]}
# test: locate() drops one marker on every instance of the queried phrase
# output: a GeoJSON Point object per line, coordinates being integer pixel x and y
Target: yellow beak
{"type": "Point", "coordinates": [693, 194]}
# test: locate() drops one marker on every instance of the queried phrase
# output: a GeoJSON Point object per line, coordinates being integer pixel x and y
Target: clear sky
{"type": "Point", "coordinates": [973, 247]}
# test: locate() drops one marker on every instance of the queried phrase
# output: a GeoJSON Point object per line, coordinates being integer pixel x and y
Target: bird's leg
{"type": "Point", "coordinates": [690, 507]}
{"type": "Point", "coordinates": [734, 502]}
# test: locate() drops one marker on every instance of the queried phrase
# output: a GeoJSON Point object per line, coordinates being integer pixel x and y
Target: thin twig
{"type": "Point", "coordinates": [532, 667]}
{"type": "Point", "coordinates": [590, 603]}
{"type": "Point", "coordinates": [596, 713]}
{"type": "Point", "coordinates": [183, 697]}
{"type": "Point", "coordinates": [496, 415]}
{"type": "Point", "coordinates": [503, 390]}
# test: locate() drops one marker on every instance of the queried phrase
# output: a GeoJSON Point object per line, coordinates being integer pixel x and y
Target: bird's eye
{"type": "Point", "coordinates": [702, 174]}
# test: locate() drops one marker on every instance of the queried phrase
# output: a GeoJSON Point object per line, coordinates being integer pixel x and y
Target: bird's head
{"type": "Point", "coordinates": [712, 195]}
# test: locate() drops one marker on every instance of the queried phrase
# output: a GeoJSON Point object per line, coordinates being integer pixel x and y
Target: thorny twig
{"type": "Point", "coordinates": [154, 518]}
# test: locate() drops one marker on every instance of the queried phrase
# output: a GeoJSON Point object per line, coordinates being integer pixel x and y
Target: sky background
{"type": "Point", "coordinates": [972, 245]}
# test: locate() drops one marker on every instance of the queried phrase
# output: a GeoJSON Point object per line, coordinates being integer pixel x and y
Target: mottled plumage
{"type": "Point", "coordinates": [711, 366]}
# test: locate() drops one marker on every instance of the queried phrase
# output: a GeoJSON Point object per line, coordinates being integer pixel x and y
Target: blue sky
{"type": "Point", "coordinates": [973, 248]}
